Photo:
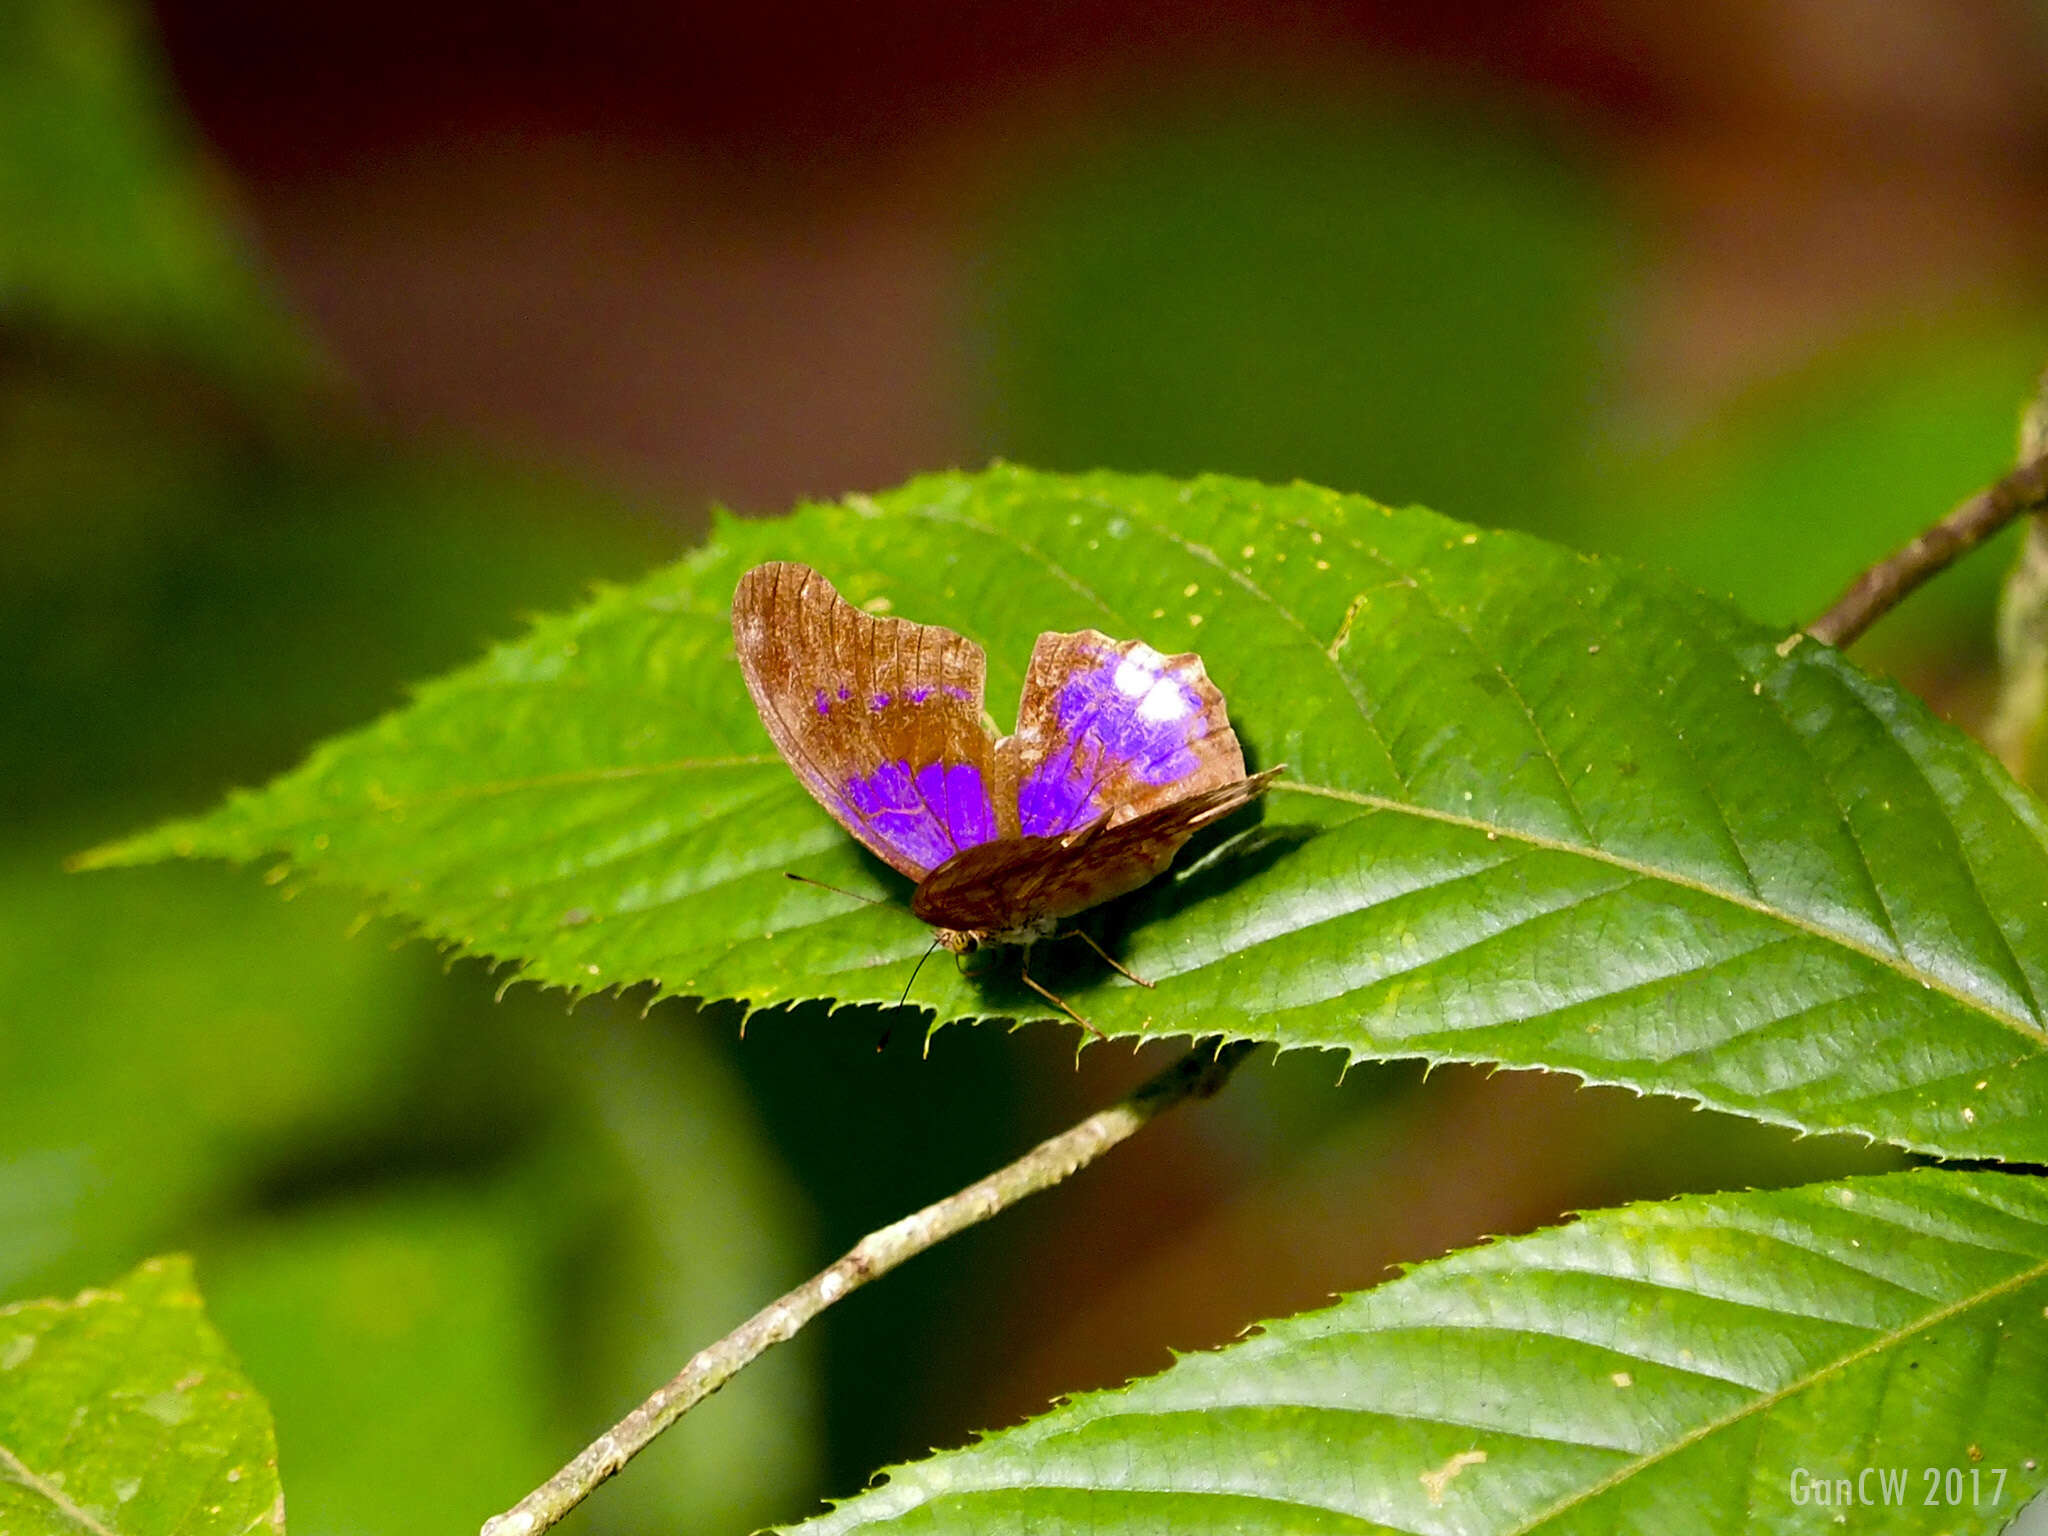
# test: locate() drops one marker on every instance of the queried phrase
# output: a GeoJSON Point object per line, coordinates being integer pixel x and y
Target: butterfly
{"type": "Point", "coordinates": [1120, 755]}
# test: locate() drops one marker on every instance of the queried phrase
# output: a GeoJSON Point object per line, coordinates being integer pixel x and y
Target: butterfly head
{"type": "Point", "coordinates": [961, 941]}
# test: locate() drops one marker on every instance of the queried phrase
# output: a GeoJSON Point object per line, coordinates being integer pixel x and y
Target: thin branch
{"type": "Point", "coordinates": [1198, 1074]}
{"type": "Point", "coordinates": [1881, 588]}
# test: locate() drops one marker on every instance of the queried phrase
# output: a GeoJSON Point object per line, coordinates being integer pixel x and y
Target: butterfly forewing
{"type": "Point", "coordinates": [878, 717]}
{"type": "Point", "coordinates": [1112, 726]}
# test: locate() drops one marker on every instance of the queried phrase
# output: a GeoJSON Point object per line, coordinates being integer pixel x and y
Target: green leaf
{"type": "Point", "coordinates": [123, 1412]}
{"type": "Point", "coordinates": [1541, 809]}
{"type": "Point", "coordinates": [1673, 1368]}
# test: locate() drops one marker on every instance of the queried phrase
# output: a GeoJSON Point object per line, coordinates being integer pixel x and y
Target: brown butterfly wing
{"type": "Point", "coordinates": [879, 718]}
{"type": "Point", "coordinates": [1112, 727]}
{"type": "Point", "coordinates": [1018, 883]}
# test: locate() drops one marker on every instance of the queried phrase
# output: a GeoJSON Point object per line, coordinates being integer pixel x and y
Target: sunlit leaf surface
{"type": "Point", "coordinates": [1716, 1364]}
{"type": "Point", "coordinates": [1541, 809]}
{"type": "Point", "coordinates": [123, 1412]}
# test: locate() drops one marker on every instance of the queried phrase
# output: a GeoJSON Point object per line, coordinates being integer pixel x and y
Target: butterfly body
{"type": "Point", "coordinates": [1120, 755]}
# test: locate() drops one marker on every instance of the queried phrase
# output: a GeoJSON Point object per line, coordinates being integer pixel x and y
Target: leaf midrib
{"type": "Point", "coordinates": [1898, 964]}
{"type": "Point", "coordinates": [18, 1471]}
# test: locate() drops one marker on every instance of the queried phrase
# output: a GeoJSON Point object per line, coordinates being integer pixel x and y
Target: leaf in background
{"type": "Point", "coordinates": [1405, 290]}
{"type": "Point", "coordinates": [1797, 484]}
{"type": "Point", "coordinates": [1657, 1368]}
{"type": "Point", "coordinates": [689, 1220]}
{"type": "Point", "coordinates": [1542, 809]}
{"type": "Point", "coordinates": [402, 1339]}
{"type": "Point", "coordinates": [123, 1411]}
{"type": "Point", "coordinates": [166, 1042]}
{"type": "Point", "coordinates": [113, 232]}
{"type": "Point", "coordinates": [183, 613]}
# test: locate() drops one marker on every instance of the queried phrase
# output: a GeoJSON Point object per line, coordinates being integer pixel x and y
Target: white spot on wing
{"type": "Point", "coordinates": [1138, 673]}
{"type": "Point", "coordinates": [1164, 700]}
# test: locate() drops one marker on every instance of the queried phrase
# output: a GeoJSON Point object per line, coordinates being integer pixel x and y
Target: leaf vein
{"type": "Point", "coordinates": [1960, 844]}
{"type": "Point", "coordinates": [1571, 799]}
{"type": "Point", "coordinates": [17, 1471]}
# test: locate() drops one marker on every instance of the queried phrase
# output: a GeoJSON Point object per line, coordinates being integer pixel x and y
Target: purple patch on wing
{"type": "Point", "coordinates": [1127, 714]}
{"type": "Point", "coordinates": [879, 702]}
{"type": "Point", "coordinates": [1056, 796]}
{"type": "Point", "coordinates": [845, 693]}
{"type": "Point", "coordinates": [918, 695]}
{"type": "Point", "coordinates": [926, 815]}
{"type": "Point", "coordinates": [824, 704]}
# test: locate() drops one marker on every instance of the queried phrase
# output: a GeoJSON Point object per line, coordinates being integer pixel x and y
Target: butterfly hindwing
{"type": "Point", "coordinates": [1112, 726]}
{"type": "Point", "coordinates": [1019, 883]}
{"type": "Point", "coordinates": [878, 717]}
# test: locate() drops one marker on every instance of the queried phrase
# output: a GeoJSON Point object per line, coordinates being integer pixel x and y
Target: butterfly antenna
{"type": "Point", "coordinates": [873, 901]}
{"type": "Point", "coordinates": [914, 970]}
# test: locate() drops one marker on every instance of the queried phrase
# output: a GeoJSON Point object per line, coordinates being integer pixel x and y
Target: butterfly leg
{"type": "Point", "coordinates": [1109, 959]}
{"type": "Point", "coordinates": [1024, 970]}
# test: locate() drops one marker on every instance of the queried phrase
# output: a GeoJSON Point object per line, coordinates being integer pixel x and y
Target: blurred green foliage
{"type": "Point", "coordinates": [336, 1309]}
{"type": "Point", "coordinates": [1404, 298]}
{"type": "Point", "coordinates": [110, 238]}
{"type": "Point", "coordinates": [162, 1041]}
{"type": "Point", "coordinates": [1794, 487]}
